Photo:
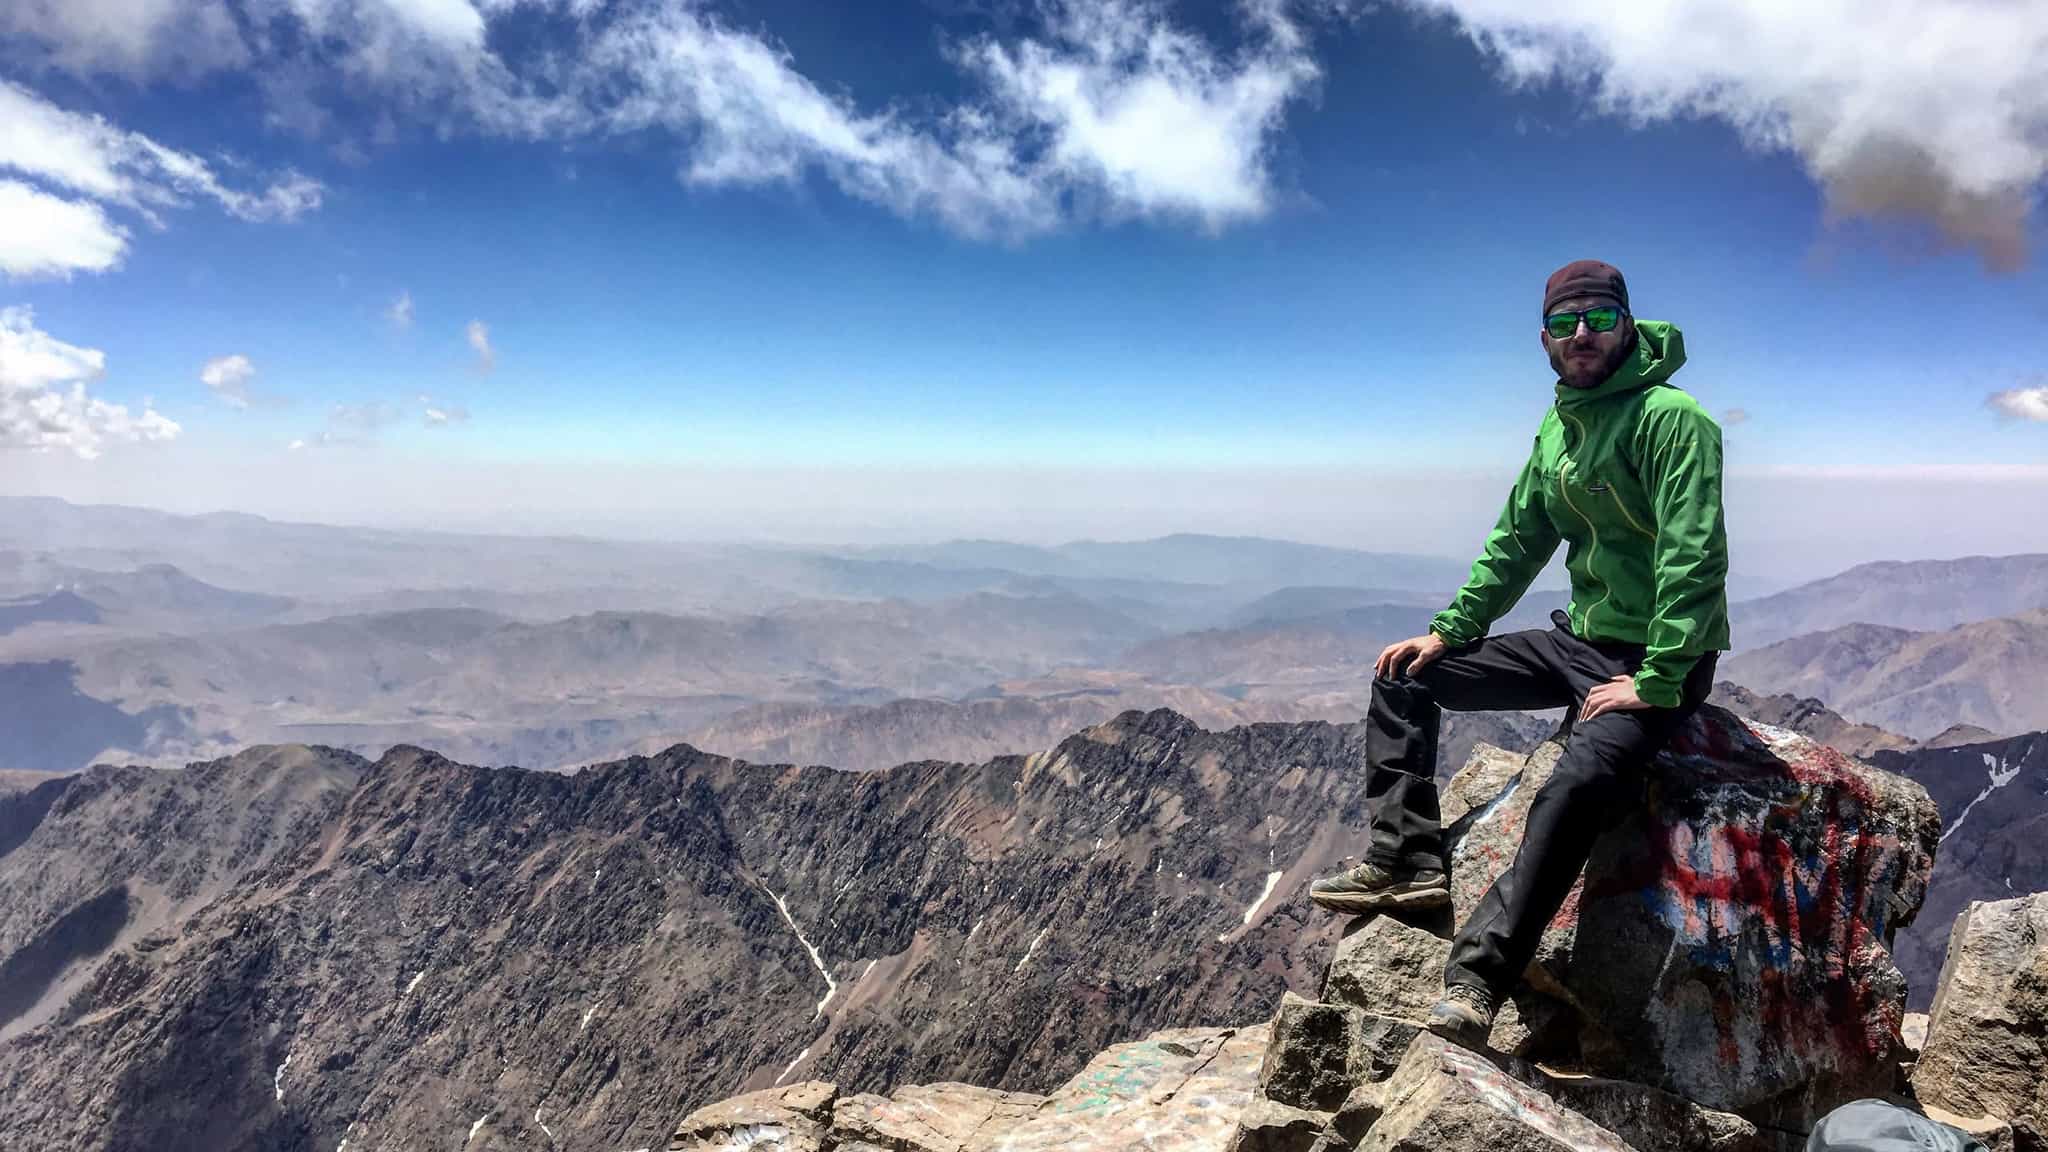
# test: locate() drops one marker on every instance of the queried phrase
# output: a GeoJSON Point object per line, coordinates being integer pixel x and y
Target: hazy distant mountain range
{"type": "Point", "coordinates": [1989, 673]}
{"type": "Point", "coordinates": [140, 635]}
{"type": "Point", "coordinates": [1922, 595]}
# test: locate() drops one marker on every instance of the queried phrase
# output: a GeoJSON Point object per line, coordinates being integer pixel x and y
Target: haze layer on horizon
{"type": "Point", "coordinates": [1785, 525]}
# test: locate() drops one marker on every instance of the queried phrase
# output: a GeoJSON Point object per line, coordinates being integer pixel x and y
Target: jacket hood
{"type": "Point", "coordinates": [1659, 352]}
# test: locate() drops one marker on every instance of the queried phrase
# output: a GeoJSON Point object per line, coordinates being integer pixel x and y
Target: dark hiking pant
{"type": "Point", "coordinates": [1598, 774]}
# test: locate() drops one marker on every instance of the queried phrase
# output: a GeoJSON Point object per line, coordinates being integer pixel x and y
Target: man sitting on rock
{"type": "Point", "coordinates": [1626, 471]}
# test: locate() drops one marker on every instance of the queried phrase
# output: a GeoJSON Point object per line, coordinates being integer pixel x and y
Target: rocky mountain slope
{"type": "Point", "coordinates": [1808, 717]}
{"type": "Point", "coordinates": [1994, 808]}
{"type": "Point", "coordinates": [869, 737]}
{"type": "Point", "coordinates": [1987, 673]}
{"type": "Point", "coordinates": [440, 952]}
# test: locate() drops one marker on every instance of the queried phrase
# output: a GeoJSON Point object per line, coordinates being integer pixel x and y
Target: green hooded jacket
{"type": "Point", "coordinates": [1628, 475]}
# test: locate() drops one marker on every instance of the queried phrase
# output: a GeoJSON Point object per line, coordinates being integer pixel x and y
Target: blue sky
{"type": "Point", "coordinates": [1343, 275]}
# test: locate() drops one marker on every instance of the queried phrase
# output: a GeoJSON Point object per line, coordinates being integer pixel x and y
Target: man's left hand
{"type": "Point", "coordinates": [1617, 695]}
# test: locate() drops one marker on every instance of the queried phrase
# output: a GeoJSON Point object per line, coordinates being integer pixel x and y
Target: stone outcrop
{"type": "Point", "coordinates": [1742, 914]}
{"type": "Point", "coordinates": [1986, 1056]}
{"type": "Point", "coordinates": [792, 1119]}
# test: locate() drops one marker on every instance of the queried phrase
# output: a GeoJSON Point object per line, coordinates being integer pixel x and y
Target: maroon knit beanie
{"type": "Point", "coordinates": [1585, 278]}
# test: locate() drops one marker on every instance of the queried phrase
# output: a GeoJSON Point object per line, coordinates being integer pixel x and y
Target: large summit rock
{"type": "Point", "coordinates": [1743, 914]}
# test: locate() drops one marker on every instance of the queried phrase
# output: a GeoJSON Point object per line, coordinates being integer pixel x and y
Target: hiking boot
{"type": "Point", "coordinates": [1464, 1016]}
{"type": "Point", "coordinates": [1371, 887]}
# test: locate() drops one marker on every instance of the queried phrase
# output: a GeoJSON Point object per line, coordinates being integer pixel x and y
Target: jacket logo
{"type": "Point", "coordinates": [1596, 486]}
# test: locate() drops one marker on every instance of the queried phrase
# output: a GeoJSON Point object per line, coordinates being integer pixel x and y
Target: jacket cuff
{"type": "Point", "coordinates": [1455, 630]}
{"type": "Point", "coordinates": [1657, 689]}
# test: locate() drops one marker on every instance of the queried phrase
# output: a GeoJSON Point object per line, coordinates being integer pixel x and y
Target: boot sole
{"type": "Point", "coordinates": [1373, 902]}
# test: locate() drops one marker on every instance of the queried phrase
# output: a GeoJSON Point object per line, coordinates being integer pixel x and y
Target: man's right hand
{"type": "Point", "coordinates": [1409, 656]}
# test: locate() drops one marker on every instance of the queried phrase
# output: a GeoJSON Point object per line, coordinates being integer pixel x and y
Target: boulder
{"type": "Point", "coordinates": [1319, 1051]}
{"type": "Point", "coordinates": [1308, 1062]}
{"type": "Point", "coordinates": [791, 1119]}
{"type": "Point", "coordinates": [1270, 1126]}
{"type": "Point", "coordinates": [1387, 967]}
{"type": "Point", "coordinates": [1987, 1038]}
{"type": "Point", "coordinates": [1444, 1098]}
{"type": "Point", "coordinates": [1742, 911]}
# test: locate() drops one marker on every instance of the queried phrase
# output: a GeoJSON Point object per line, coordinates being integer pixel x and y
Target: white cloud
{"type": "Point", "coordinates": [229, 378]}
{"type": "Point", "coordinates": [1924, 110]}
{"type": "Point", "coordinates": [1734, 416]}
{"type": "Point", "coordinates": [1148, 114]}
{"type": "Point", "coordinates": [2021, 403]}
{"type": "Point", "coordinates": [1113, 109]}
{"type": "Point", "coordinates": [87, 155]}
{"type": "Point", "coordinates": [47, 236]}
{"type": "Point", "coordinates": [400, 312]}
{"type": "Point", "coordinates": [43, 401]}
{"type": "Point", "coordinates": [479, 337]}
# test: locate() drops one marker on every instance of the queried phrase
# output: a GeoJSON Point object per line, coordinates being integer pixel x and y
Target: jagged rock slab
{"type": "Point", "coordinates": [1987, 1039]}
{"type": "Point", "coordinates": [792, 1119]}
{"type": "Point", "coordinates": [1444, 1098]}
{"type": "Point", "coordinates": [1742, 913]}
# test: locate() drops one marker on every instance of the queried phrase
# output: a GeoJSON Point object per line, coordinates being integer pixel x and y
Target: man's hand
{"type": "Point", "coordinates": [1409, 656]}
{"type": "Point", "coordinates": [1617, 695]}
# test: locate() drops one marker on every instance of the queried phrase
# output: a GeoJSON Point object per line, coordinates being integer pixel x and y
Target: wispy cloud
{"type": "Point", "coordinates": [439, 414]}
{"type": "Point", "coordinates": [479, 337]}
{"type": "Point", "coordinates": [103, 166]}
{"type": "Point", "coordinates": [137, 38]}
{"type": "Point", "coordinates": [43, 401]}
{"type": "Point", "coordinates": [400, 312]}
{"type": "Point", "coordinates": [228, 377]}
{"type": "Point", "coordinates": [2021, 403]}
{"type": "Point", "coordinates": [355, 423]}
{"type": "Point", "coordinates": [1734, 416]}
{"type": "Point", "coordinates": [1932, 111]}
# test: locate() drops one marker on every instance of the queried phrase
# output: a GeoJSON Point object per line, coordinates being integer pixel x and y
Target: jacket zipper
{"type": "Point", "coordinates": [1593, 551]}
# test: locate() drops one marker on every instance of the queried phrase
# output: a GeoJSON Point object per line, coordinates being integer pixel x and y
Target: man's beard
{"type": "Point", "coordinates": [1595, 374]}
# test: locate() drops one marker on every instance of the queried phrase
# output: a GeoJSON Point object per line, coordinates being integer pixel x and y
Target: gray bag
{"type": "Point", "coordinates": [1875, 1126]}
